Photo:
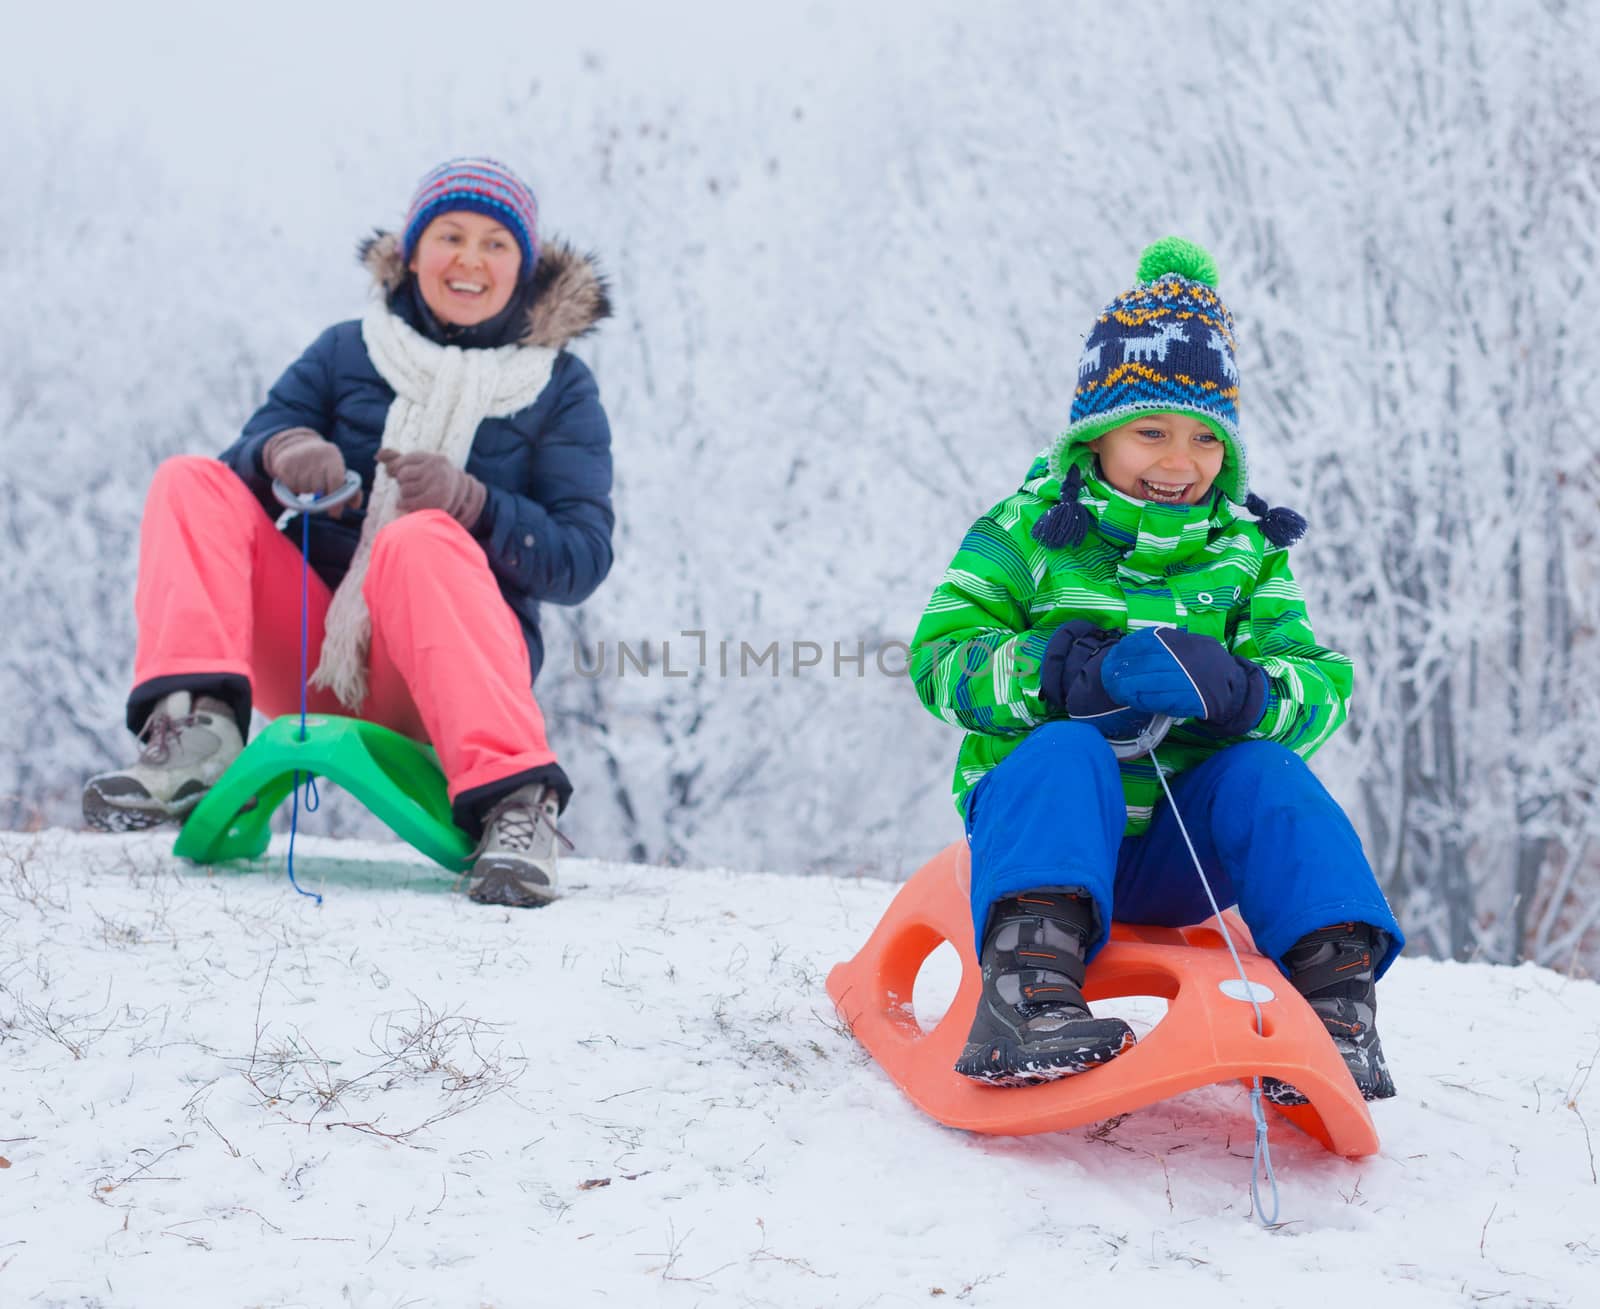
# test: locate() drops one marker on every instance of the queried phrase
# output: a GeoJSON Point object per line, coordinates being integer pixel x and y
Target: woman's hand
{"type": "Point", "coordinates": [430, 481]}
{"type": "Point", "coordinates": [308, 464]}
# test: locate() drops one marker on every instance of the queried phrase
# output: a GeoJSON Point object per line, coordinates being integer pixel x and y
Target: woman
{"type": "Point", "coordinates": [485, 464]}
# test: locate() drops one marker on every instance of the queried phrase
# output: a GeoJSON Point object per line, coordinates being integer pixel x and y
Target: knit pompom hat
{"type": "Point", "coordinates": [484, 186]}
{"type": "Point", "coordinates": [1165, 346]}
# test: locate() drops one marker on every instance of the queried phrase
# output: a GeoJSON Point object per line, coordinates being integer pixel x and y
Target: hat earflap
{"type": "Point", "coordinates": [1281, 526]}
{"type": "Point", "coordinates": [1067, 523]}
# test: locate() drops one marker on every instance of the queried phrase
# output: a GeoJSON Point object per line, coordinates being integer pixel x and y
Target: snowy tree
{"type": "Point", "coordinates": [852, 287]}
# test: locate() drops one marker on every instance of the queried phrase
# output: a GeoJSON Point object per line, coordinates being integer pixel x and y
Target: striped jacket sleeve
{"type": "Point", "coordinates": [975, 659]}
{"type": "Point", "coordinates": [1308, 685]}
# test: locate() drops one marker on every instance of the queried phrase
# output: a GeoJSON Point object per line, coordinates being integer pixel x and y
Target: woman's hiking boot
{"type": "Point", "coordinates": [1334, 968]}
{"type": "Point", "coordinates": [187, 743]}
{"type": "Point", "coordinates": [515, 863]}
{"type": "Point", "coordinates": [1033, 1024]}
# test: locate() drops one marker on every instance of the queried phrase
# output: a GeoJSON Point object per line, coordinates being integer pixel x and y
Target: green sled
{"type": "Point", "coordinates": [396, 778]}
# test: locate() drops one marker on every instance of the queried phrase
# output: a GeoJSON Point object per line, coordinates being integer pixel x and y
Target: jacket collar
{"type": "Point", "coordinates": [566, 298]}
{"type": "Point", "coordinates": [1151, 536]}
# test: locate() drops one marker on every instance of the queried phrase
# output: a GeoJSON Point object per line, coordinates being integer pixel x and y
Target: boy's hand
{"type": "Point", "coordinates": [1165, 670]}
{"type": "Point", "coordinates": [430, 481]}
{"type": "Point", "coordinates": [1069, 679]}
{"type": "Point", "coordinates": [1072, 646]}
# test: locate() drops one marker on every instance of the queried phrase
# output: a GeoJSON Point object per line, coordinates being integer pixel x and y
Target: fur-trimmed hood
{"type": "Point", "coordinates": [570, 299]}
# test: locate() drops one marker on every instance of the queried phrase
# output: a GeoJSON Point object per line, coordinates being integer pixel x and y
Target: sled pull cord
{"type": "Point", "coordinates": [313, 800]}
{"type": "Point", "coordinates": [305, 506]}
{"type": "Point", "coordinates": [1261, 1160]}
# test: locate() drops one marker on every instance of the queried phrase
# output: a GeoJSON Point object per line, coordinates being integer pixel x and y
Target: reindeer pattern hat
{"type": "Point", "coordinates": [1166, 345]}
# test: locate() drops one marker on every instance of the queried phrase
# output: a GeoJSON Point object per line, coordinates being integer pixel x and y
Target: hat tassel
{"type": "Point", "coordinates": [1281, 526]}
{"type": "Point", "coordinates": [1067, 523]}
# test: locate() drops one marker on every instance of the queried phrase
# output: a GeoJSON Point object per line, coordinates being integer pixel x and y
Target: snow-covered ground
{"type": "Point", "coordinates": [214, 1092]}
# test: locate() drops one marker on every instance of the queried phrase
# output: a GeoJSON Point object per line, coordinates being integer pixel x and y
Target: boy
{"type": "Point", "coordinates": [1128, 578]}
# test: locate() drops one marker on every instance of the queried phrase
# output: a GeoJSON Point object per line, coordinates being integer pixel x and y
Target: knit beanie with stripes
{"type": "Point", "coordinates": [1164, 346]}
{"type": "Point", "coordinates": [484, 186]}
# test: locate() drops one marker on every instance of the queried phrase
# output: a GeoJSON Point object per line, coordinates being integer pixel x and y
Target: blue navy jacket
{"type": "Point", "coordinates": [547, 518]}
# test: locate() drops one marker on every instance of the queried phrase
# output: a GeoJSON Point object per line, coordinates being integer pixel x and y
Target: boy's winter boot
{"type": "Point", "coordinates": [1033, 1024]}
{"type": "Point", "coordinates": [187, 744]}
{"type": "Point", "coordinates": [515, 863]}
{"type": "Point", "coordinates": [1333, 968]}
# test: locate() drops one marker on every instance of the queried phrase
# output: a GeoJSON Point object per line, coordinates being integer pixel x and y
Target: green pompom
{"type": "Point", "coordinates": [1172, 254]}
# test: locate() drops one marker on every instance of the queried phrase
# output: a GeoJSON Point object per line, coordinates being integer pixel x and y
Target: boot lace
{"type": "Point", "coordinates": [160, 736]}
{"type": "Point", "coordinates": [516, 823]}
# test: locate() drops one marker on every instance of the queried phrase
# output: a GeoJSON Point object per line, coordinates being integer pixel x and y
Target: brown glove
{"type": "Point", "coordinates": [307, 464]}
{"type": "Point", "coordinates": [433, 482]}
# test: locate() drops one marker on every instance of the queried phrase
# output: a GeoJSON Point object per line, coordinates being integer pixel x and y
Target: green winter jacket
{"type": "Point", "coordinates": [977, 652]}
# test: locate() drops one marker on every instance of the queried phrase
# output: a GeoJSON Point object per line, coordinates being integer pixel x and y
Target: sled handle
{"type": "Point", "coordinates": [1153, 734]}
{"type": "Point", "coordinates": [311, 503]}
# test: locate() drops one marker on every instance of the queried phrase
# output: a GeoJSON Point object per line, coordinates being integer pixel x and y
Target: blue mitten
{"type": "Point", "coordinates": [1069, 679]}
{"type": "Point", "coordinates": [1165, 670]}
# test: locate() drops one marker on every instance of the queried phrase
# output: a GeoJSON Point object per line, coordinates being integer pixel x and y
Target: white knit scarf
{"type": "Point", "coordinates": [441, 394]}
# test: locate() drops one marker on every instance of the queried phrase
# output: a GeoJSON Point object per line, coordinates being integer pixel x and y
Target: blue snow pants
{"type": "Point", "coordinates": [1271, 839]}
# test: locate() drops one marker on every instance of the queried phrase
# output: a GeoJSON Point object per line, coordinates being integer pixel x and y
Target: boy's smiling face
{"type": "Point", "coordinates": [466, 266]}
{"type": "Point", "coordinates": [1166, 458]}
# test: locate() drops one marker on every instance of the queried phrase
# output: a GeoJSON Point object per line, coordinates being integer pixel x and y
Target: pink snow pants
{"type": "Point", "coordinates": [219, 592]}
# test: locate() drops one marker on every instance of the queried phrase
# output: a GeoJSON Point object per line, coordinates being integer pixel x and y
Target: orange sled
{"type": "Point", "coordinates": [1208, 1035]}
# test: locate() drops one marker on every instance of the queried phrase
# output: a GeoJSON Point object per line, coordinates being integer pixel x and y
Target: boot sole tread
{"type": "Point", "coordinates": [105, 815]}
{"type": "Point", "coordinates": [502, 886]}
{"type": "Point", "coordinates": [1016, 1069]}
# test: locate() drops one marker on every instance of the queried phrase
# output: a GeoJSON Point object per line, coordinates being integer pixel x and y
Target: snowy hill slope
{"type": "Point", "coordinates": [213, 1092]}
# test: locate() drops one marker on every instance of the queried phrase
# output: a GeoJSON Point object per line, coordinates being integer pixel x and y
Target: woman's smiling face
{"type": "Point", "coordinates": [1166, 458]}
{"type": "Point", "coordinates": [466, 266]}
